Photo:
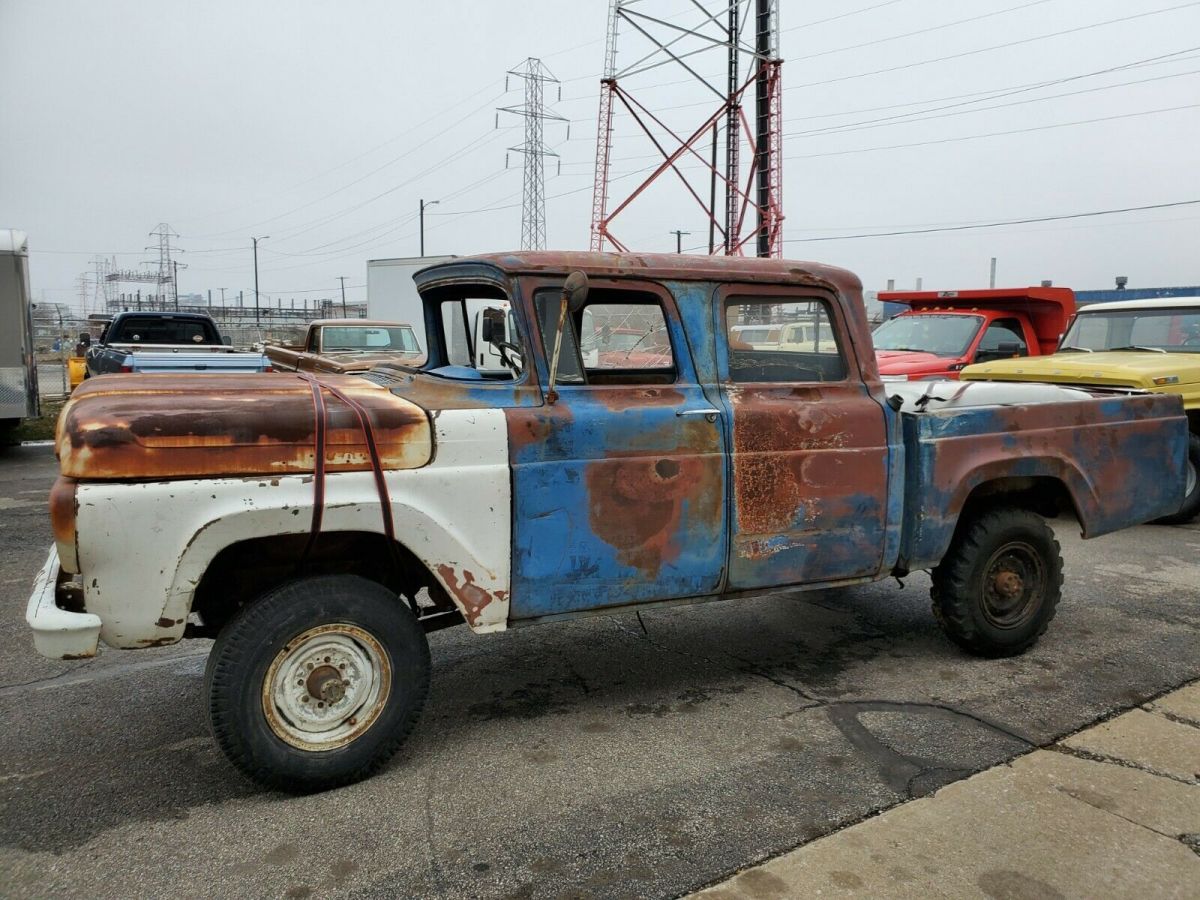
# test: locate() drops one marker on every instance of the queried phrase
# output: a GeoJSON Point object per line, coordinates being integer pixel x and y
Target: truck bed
{"type": "Point", "coordinates": [1107, 448]}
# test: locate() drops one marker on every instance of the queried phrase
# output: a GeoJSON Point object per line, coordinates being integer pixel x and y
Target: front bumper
{"type": "Point", "coordinates": [59, 633]}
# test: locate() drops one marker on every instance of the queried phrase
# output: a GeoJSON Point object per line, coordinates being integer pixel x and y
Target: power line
{"type": "Point", "coordinates": [966, 53]}
{"type": "Point", "coordinates": [998, 224]}
{"type": "Point", "coordinates": [845, 15]}
{"type": "Point", "coordinates": [972, 137]}
{"type": "Point", "coordinates": [907, 34]}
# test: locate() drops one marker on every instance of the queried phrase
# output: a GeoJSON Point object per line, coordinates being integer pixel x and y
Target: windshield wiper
{"type": "Point", "coordinates": [1075, 350]}
{"type": "Point", "coordinates": [1136, 347]}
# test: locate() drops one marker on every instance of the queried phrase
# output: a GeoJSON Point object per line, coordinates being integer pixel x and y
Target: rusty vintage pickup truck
{"type": "Point", "coordinates": [346, 347]}
{"type": "Point", "coordinates": [319, 526]}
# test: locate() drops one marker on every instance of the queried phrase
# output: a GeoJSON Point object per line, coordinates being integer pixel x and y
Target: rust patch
{"type": "Point", "coordinates": [620, 398]}
{"type": "Point", "coordinates": [636, 501]}
{"type": "Point", "coordinates": [474, 599]}
{"type": "Point", "coordinates": [168, 426]}
{"type": "Point", "coordinates": [63, 509]}
{"type": "Point", "coordinates": [164, 622]}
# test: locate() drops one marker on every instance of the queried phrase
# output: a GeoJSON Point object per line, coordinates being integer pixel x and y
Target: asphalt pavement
{"type": "Point", "coordinates": [617, 756]}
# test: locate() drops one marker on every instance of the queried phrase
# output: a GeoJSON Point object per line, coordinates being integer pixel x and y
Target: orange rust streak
{"type": "Point", "coordinates": [474, 599]}
{"type": "Point", "coordinates": [62, 510]}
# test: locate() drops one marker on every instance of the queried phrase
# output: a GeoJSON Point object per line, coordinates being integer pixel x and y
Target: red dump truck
{"type": "Point", "coordinates": [944, 331]}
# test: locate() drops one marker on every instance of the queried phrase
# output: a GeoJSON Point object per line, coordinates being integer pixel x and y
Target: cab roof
{"type": "Point", "coordinates": [658, 266]}
{"type": "Point", "coordinates": [1149, 303]}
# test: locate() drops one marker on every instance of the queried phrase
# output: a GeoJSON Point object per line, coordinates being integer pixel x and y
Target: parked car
{"type": "Point", "coordinates": [941, 332]}
{"type": "Point", "coordinates": [157, 342]}
{"type": "Point", "coordinates": [346, 346]}
{"type": "Point", "coordinates": [1150, 345]}
{"type": "Point", "coordinates": [319, 528]}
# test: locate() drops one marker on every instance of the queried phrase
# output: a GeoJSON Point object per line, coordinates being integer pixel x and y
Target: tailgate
{"type": "Point", "coordinates": [190, 361]}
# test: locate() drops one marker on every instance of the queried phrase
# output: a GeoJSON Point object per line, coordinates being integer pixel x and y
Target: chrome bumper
{"type": "Point", "coordinates": [59, 633]}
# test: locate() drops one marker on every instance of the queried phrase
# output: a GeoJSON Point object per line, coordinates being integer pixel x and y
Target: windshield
{"type": "Point", "coordinates": [939, 335]}
{"type": "Point", "coordinates": [1169, 330]}
{"type": "Point", "coordinates": [369, 337]}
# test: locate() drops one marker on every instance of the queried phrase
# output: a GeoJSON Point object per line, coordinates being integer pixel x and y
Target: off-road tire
{"type": "Point", "coordinates": [259, 635]}
{"type": "Point", "coordinates": [994, 550]}
{"type": "Point", "coordinates": [1191, 503]}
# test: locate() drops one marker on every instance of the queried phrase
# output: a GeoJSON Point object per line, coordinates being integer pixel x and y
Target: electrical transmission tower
{"type": "Point", "coordinates": [738, 154]}
{"type": "Point", "coordinates": [166, 272]}
{"type": "Point", "coordinates": [533, 205]}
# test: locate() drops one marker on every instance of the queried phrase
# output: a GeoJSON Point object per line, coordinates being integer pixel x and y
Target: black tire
{"type": "Point", "coordinates": [362, 621]}
{"type": "Point", "coordinates": [1191, 503]}
{"type": "Point", "coordinates": [996, 589]}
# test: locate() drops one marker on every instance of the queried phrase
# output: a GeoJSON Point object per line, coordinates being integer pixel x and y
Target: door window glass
{"type": "Point", "coordinates": [1003, 331]}
{"type": "Point", "coordinates": [782, 341]}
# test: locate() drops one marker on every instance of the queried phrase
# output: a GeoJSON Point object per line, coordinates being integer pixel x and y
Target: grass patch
{"type": "Point", "coordinates": [39, 429]}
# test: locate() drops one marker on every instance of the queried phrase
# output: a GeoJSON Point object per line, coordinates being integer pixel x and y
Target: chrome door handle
{"type": "Point", "coordinates": [710, 415]}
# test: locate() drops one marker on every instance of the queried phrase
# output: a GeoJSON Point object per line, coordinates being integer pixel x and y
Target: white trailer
{"type": "Point", "coordinates": [391, 294]}
{"type": "Point", "coordinates": [18, 366]}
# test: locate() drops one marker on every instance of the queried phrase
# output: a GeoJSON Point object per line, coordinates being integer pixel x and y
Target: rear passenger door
{"type": "Point", "coordinates": [809, 458]}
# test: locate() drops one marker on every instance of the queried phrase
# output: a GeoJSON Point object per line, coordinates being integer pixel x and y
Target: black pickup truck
{"type": "Point", "coordinates": [154, 342]}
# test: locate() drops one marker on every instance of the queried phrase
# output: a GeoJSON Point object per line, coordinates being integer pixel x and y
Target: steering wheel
{"type": "Point", "coordinates": [502, 346]}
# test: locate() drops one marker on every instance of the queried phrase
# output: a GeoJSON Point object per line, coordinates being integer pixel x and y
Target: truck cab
{"type": "Point", "coordinates": [942, 332]}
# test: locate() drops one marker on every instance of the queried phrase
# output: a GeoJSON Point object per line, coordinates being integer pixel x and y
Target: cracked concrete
{"type": "Point", "coordinates": [1080, 822]}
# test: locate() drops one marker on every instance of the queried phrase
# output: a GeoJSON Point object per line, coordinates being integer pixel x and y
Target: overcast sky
{"type": "Point", "coordinates": [322, 125]}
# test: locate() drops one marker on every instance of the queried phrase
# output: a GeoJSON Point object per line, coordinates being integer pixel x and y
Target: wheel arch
{"type": "Point", "coordinates": [269, 543]}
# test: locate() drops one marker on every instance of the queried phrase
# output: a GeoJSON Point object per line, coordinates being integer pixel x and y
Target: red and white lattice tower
{"type": "Point", "coordinates": [744, 168]}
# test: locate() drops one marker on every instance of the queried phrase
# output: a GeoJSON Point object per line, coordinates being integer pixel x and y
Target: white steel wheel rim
{"type": "Point", "coordinates": [1190, 479]}
{"type": "Point", "coordinates": [326, 687]}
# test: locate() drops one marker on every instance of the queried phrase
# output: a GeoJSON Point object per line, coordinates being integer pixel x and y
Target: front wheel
{"type": "Point", "coordinates": [317, 683]}
{"type": "Point", "coordinates": [1191, 497]}
{"type": "Point", "coordinates": [996, 589]}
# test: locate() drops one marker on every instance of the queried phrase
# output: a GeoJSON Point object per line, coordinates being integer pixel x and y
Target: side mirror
{"type": "Point", "coordinates": [85, 338]}
{"type": "Point", "coordinates": [491, 328]}
{"type": "Point", "coordinates": [1008, 347]}
{"type": "Point", "coordinates": [227, 340]}
{"type": "Point", "coordinates": [574, 292]}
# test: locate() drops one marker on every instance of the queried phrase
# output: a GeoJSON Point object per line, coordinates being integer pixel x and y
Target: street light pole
{"type": "Point", "coordinates": [257, 320]}
{"type": "Point", "coordinates": [422, 229]}
{"type": "Point", "coordinates": [342, 279]}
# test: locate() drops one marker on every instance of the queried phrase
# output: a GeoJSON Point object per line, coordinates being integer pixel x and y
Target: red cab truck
{"type": "Point", "coordinates": [943, 331]}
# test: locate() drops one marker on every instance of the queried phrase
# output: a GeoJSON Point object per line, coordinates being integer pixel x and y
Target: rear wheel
{"type": "Point", "coordinates": [1191, 498]}
{"type": "Point", "coordinates": [317, 683]}
{"type": "Point", "coordinates": [995, 591]}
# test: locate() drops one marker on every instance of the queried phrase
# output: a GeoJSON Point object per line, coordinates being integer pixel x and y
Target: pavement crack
{"type": "Point", "coordinates": [1174, 717]}
{"type": "Point", "coordinates": [1086, 802]}
{"type": "Point", "coordinates": [1092, 756]}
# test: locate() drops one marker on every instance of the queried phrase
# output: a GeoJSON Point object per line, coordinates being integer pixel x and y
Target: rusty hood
{"type": "Point", "coordinates": [138, 427]}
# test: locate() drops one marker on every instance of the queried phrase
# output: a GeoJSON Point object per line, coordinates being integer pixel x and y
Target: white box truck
{"type": "Point", "coordinates": [18, 365]}
{"type": "Point", "coordinates": [391, 294]}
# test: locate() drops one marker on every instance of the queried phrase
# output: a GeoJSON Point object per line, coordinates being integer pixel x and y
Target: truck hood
{"type": "Point", "coordinates": [934, 396]}
{"type": "Point", "coordinates": [911, 362]}
{"type": "Point", "coordinates": [1124, 368]}
{"type": "Point", "coordinates": [150, 427]}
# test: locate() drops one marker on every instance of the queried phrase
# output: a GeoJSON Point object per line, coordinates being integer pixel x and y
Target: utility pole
{"type": "Point", "coordinates": [678, 239]}
{"type": "Point", "coordinates": [342, 279]}
{"type": "Point", "coordinates": [257, 321]}
{"type": "Point", "coordinates": [422, 228]}
{"type": "Point", "coordinates": [175, 282]}
{"type": "Point", "coordinates": [533, 110]}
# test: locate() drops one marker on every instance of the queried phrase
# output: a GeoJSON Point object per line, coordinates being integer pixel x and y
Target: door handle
{"type": "Point", "coordinates": [710, 415]}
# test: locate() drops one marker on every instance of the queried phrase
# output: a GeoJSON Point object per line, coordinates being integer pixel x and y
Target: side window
{"type": "Point", "coordinates": [618, 337]}
{"type": "Point", "coordinates": [625, 336]}
{"type": "Point", "coordinates": [782, 341]}
{"type": "Point", "coordinates": [1003, 331]}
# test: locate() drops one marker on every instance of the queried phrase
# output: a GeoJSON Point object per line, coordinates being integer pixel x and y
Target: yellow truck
{"type": "Point", "coordinates": [1151, 345]}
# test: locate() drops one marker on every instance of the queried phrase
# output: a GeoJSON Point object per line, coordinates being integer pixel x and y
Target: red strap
{"type": "Point", "coordinates": [364, 421]}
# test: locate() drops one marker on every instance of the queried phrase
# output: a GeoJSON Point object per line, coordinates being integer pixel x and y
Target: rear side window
{"type": "Point", "coordinates": [800, 345]}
